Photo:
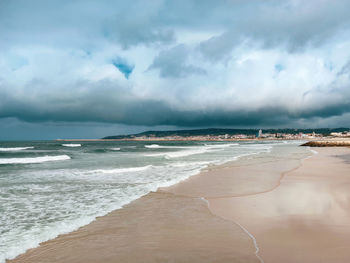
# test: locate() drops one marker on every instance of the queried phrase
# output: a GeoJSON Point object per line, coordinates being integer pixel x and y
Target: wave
{"type": "Point", "coordinates": [177, 154]}
{"type": "Point", "coordinates": [100, 151]}
{"type": "Point", "coordinates": [156, 146]}
{"type": "Point", "coordinates": [72, 145]}
{"type": "Point", "coordinates": [34, 159]}
{"type": "Point", "coordinates": [15, 149]}
{"type": "Point", "coordinates": [153, 146]}
{"type": "Point", "coordinates": [263, 147]}
{"type": "Point", "coordinates": [222, 145]}
{"type": "Point", "coordinates": [120, 170]}
{"type": "Point", "coordinates": [188, 150]}
{"type": "Point", "coordinates": [105, 150]}
{"type": "Point", "coordinates": [201, 164]}
{"type": "Point", "coordinates": [115, 149]}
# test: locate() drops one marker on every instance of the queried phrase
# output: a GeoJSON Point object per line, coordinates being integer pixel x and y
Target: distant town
{"type": "Point", "coordinates": [235, 134]}
{"type": "Point", "coordinates": [216, 134]}
{"type": "Point", "coordinates": [226, 137]}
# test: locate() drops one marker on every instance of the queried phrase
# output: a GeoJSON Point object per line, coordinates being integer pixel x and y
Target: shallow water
{"type": "Point", "coordinates": [50, 188]}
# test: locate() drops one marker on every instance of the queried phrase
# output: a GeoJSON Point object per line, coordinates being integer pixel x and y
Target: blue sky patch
{"type": "Point", "coordinates": [123, 67]}
{"type": "Point", "coordinates": [279, 67]}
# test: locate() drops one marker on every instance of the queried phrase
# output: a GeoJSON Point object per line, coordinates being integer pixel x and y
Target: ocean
{"type": "Point", "coordinates": [49, 188]}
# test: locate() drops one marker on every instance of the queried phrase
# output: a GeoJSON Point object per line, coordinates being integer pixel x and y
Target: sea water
{"type": "Point", "coordinates": [50, 188]}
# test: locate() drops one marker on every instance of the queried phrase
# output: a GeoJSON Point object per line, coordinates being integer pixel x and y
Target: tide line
{"type": "Point", "coordinates": [243, 228]}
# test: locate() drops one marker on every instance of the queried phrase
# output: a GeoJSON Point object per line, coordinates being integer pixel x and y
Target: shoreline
{"type": "Point", "coordinates": [156, 223]}
{"type": "Point", "coordinates": [209, 167]}
{"type": "Point", "coordinates": [160, 139]}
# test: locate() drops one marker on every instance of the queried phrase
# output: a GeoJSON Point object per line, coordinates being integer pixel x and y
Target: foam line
{"type": "Point", "coordinates": [15, 149]}
{"type": "Point", "coordinates": [244, 229]}
{"type": "Point", "coordinates": [34, 159]}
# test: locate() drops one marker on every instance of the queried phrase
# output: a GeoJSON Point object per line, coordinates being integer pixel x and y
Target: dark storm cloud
{"type": "Point", "coordinates": [173, 63]}
{"type": "Point", "coordinates": [112, 104]}
{"type": "Point", "coordinates": [150, 113]}
{"type": "Point", "coordinates": [273, 22]}
{"type": "Point", "coordinates": [293, 24]}
{"type": "Point", "coordinates": [184, 63]}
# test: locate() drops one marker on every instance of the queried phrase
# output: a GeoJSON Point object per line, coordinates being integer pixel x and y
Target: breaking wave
{"type": "Point", "coordinates": [72, 145]}
{"type": "Point", "coordinates": [115, 149]}
{"type": "Point", "coordinates": [34, 159]}
{"type": "Point", "coordinates": [156, 146]}
{"type": "Point", "coordinates": [15, 149]}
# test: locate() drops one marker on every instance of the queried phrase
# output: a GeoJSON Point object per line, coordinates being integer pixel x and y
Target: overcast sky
{"type": "Point", "coordinates": [87, 68]}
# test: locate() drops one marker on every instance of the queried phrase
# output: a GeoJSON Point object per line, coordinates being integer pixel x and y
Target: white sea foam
{"type": "Point", "coordinates": [187, 164]}
{"type": "Point", "coordinates": [15, 149]}
{"type": "Point", "coordinates": [120, 170]}
{"type": "Point", "coordinates": [314, 152]}
{"type": "Point", "coordinates": [115, 149]}
{"type": "Point", "coordinates": [109, 200]}
{"type": "Point", "coordinates": [34, 159]}
{"type": "Point", "coordinates": [72, 145]}
{"type": "Point", "coordinates": [37, 234]}
{"type": "Point", "coordinates": [178, 154]}
{"type": "Point", "coordinates": [153, 146]}
{"type": "Point", "coordinates": [261, 147]}
{"type": "Point", "coordinates": [222, 145]}
{"type": "Point", "coordinates": [156, 146]}
{"type": "Point", "coordinates": [189, 150]}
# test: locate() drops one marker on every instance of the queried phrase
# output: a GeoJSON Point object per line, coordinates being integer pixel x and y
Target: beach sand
{"type": "Point", "coordinates": [276, 208]}
{"type": "Point", "coordinates": [306, 218]}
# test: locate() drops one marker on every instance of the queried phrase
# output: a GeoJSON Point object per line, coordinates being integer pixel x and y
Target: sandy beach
{"type": "Point", "coordinates": [289, 206]}
{"type": "Point", "coordinates": [174, 131]}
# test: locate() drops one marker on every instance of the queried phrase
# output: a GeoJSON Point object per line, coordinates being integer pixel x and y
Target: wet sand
{"type": "Point", "coordinates": [270, 208]}
{"type": "Point", "coordinates": [306, 218]}
{"type": "Point", "coordinates": [159, 227]}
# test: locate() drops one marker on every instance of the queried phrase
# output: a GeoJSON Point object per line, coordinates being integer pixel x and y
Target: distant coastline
{"type": "Point", "coordinates": [155, 139]}
{"type": "Point", "coordinates": [216, 134]}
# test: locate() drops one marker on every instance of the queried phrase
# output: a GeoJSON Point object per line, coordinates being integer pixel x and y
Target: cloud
{"type": "Point", "coordinates": [172, 63]}
{"type": "Point", "coordinates": [293, 25]}
{"type": "Point", "coordinates": [187, 63]}
{"type": "Point", "coordinates": [110, 102]}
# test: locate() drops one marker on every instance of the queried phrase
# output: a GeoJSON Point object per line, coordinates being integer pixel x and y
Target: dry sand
{"type": "Point", "coordinates": [272, 209]}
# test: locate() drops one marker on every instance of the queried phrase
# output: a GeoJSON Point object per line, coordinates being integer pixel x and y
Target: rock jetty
{"type": "Point", "coordinates": [330, 143]}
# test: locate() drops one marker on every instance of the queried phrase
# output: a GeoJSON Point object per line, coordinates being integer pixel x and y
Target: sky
{"type": "Point", "coordinates": [88, 69]}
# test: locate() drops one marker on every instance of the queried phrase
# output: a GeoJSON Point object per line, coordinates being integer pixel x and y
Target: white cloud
{"type": "Point", "coordinates": [240, 58]}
